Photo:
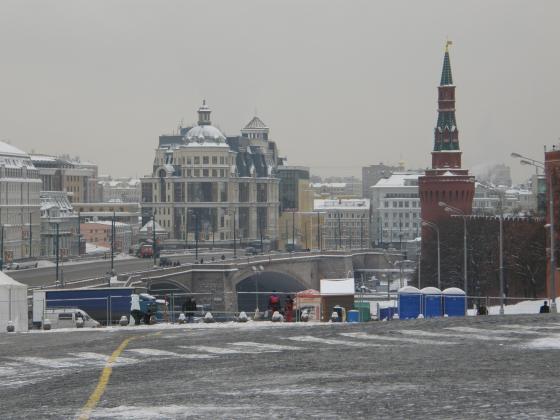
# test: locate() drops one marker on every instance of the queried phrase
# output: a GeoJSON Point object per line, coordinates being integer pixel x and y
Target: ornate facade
{"type": "Point", "coordinates": [206, 185]}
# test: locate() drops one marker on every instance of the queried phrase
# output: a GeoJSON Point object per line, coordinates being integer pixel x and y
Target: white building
{"type": "Point", "coordinates": [120, 190]}
{"type": "Point", "coordinates": [59, 225]}
{"type": "Point", "coordinates": [20, 185]}
{"type": "Point", "coordinates": [395, 209]}
{"type": "Point", "coordinates": [345, 223]}
{"type": "Point", "coordinates": [211, 186]}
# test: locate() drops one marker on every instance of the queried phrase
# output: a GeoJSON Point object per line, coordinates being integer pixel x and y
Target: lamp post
{"type": "Point", "coordinates": [57, 249]}
{"type": "Point", "coordinates": [1, 248]}
{"type": "Point", "coordinates": [435, 227]}
{"type": "Point", "coordinates": [257, 270]}
{"type": "Point", "coordinates": [113, 244]}
{"type": "Point", "coordinates": [154, 238]}
{"type": "Point", "coordinates": [186, 230]}
{"type": "Point", "coordinates": [524, 160]}
{"type": "Point", "coordinates": [460, 213]}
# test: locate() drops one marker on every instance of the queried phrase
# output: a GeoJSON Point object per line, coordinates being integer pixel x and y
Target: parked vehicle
{"type": "Point", "coordinates": [20, 265]}
{"type": "Point", "coordinates": [250, 251]}
{"type": "Point", "coordinates": [146, 251]}
{"type": "Point", "coordinates": [106, 305]}
{"type": "Point", "coordinates": [68, 318]}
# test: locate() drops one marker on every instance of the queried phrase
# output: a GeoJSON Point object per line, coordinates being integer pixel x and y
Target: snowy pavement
{"type": "Point", "coordinates": [483, 367]}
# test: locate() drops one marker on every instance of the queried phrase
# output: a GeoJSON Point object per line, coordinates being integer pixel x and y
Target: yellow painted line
{"type": "Point", "coordinates": [104, 379]}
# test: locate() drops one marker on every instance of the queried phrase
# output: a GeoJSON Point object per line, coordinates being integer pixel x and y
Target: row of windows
{"type": "Point", "coordinates": [401, 225]}
{"type": "Point", "coordinates": [197, 160]}
{"type": "Point", "coordinates": [221, 173]}
{"type": "Point", "coordinates": [402, 204]}
{"type": "Point", "coordinates": [346, 216]}
{"type": "Point", "coordinates": [401, 215]}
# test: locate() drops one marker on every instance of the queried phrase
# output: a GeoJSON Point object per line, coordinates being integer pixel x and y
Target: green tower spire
{"type": "Point", "coordinates": [446, 78]}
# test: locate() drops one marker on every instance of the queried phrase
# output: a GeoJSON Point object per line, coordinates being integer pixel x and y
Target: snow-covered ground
{"type": "Point", "coordinates": [523, 307]}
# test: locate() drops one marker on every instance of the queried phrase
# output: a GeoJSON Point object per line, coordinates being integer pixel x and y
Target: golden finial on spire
{"type": "Point", "coordinates": [448, 42]}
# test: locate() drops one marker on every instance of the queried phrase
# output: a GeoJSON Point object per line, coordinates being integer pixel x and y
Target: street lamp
{"type": "Point", "coordinates": [460, 213]}
{"type": "Point", "coordinates": [257, 269]}
{"type": "Point", "coordinates": [435, 227]}
{"type": "Point", "coordinates": [540, 165]}
{"type": "Point", "coordinates": [195, 215]}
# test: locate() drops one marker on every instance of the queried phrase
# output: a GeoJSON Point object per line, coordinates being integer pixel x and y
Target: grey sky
{"type": "Point", "coordinates": [341, 84]}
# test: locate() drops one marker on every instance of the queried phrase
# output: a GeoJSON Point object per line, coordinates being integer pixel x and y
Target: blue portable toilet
{"type": "Point", "coordinates": [431, 302]}
{"type": "Point", "coordinates": [454, 301]}
{"type": "Point", "coordinates": [410, 302]}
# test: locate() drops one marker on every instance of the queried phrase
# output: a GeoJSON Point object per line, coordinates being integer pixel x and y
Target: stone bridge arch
{"type": "Point", "coordinates": [271, 278]}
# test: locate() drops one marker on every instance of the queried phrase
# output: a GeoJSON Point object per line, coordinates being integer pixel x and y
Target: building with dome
{"type": "Point", "coordinates": [20, 224]}
{"type": "Point", "coordinates": [206, 184]}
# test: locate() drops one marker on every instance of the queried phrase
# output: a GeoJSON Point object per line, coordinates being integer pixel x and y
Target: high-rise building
{"type": "Point", "coordinates": [20, 225]}
{"type": "Point", "coordinates": [293, 181]}
{"type": "Point", "coordinates": [446, 181]}
{"type": "Point", "coordinates": [208, 185]}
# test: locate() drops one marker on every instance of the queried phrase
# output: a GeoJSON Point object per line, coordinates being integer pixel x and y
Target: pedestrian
{"type": "Point", "coordinates": [273, 303]}
{"type": "Point", "coordinates": [189, 307]}
{"type": "Point", "coordinates": [289, 309]}
{"type": "Point", "coordinates": [545, 309]}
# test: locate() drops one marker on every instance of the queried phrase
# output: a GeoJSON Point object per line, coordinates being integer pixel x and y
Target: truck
{"type": "Point", "coordinates": [106, 305]}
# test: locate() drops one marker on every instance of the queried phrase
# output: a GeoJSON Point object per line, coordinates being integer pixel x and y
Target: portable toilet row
{"type": "Point", "coordinates": [430, 302]}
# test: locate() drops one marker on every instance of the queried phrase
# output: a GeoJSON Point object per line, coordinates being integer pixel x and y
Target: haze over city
{"type": "Point", "coordinates": [356, 80]}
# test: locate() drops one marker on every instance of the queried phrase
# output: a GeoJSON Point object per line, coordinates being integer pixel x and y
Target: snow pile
{"type": "Point", "coordinates": [552, 342]}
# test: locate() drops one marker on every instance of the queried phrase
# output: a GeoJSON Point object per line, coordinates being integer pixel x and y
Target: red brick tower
{"type": "Point", "coordinates": [445, 181]}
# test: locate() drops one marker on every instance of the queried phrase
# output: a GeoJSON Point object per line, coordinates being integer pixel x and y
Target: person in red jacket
{"type": "Point", "coordinates": [273, 303]}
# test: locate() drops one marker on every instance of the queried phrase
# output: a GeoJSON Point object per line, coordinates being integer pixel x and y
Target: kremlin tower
{"type": "Point", "coordinates": [446, 181]}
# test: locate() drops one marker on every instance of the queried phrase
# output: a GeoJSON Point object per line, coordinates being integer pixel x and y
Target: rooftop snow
{"type": "Point", "coordinates": [399, 179]}
{"type": "Point", "coordinates": [347, 204]}
{"type": "Point", "coordinates": [8, 149]}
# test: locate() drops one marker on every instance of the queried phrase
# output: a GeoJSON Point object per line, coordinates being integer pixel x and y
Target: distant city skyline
{"type": "Point", "coordinates": [356, 80]}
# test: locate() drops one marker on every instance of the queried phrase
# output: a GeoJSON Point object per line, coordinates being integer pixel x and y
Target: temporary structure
{"type": "Point", "coordinates": [336, 292]}
{"type": "Point", "coordinates": [13, 303]}
{"type": "Point", "coordinates": [309, 300]}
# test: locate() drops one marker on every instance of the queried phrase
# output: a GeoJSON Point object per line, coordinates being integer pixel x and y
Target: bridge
{"type": "Point", "coordinates": [220, 284]}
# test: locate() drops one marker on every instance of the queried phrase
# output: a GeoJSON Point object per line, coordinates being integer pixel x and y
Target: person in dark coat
{"type": "Point", "coordinates": [189, 308]}
{"type": "Point", "coordinates": [545, 309]}
{"type": "Point", "coordinates": [289, 309]}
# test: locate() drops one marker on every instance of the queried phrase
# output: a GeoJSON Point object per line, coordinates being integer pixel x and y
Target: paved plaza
{"type": "Point", "coordinates": [478, 367]}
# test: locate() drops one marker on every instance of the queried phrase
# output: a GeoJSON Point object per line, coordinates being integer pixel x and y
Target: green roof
{"type": "Point", "coordinates": [446, 78]}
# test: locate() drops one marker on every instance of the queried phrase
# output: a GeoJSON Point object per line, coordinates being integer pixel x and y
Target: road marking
{"type": "Point", "coordinates": [481, 337]}
{"type": "Point", "coordinates": [399, 339]}
{"type": "Point", "coordinates": [531, 328]}
{"type": "Point", "coordinates": [102, 358]}
{"type": "Point", "coordinates": [265, 347]}
{"type": "Point", "coordinates": [49, 363]}
{"type": "Point", "coordinates": [104, 378]}
{"type": "Point", "coordinates": [165, 353]}
{"type": "Point", "coordinates": [334, 342]}
{"type": "Point", "coordinates": [216, 350]}
{"type": "Point", "coordinates": [490, 332]}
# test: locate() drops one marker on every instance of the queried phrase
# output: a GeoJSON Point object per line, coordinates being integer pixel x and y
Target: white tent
{"type": "Point", "coordinates": [13, 303]}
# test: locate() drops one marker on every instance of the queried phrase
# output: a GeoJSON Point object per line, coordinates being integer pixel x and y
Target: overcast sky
{"type": "Point", "coordinates": [341, 84]}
